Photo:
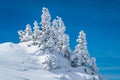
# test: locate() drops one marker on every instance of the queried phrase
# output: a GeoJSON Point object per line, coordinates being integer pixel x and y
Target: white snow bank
{"type": "Point", "coordinates": [18, 62]}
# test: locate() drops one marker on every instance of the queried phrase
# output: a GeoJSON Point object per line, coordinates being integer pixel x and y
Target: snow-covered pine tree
{"type": "Point", "coordinates": [21, 33]}
{"type": "Point", "coordinates": [45, 19]}
{"type": "Point", "coordinates": [55, 35]}
{"type": "Point", "coordinates": [36, 34]}
{"type": "Point", "coordinates": [28, 33]}
{"type": "Point", "coordinates": [47, 41]}
{"type": "Point", "coordinates": [81, 55]}
{"type": "Point", "coordinates": [49, 61]}
{"type": "Point", "coordinates": [46, 36]}
{"type": "Point", "coordinates": [63, 39]}
{"type": "Point", "coordinates": [25, 35]}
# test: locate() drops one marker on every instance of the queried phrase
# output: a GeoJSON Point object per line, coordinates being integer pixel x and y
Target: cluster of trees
{"type": "Point", "coordinates": [50, 37]}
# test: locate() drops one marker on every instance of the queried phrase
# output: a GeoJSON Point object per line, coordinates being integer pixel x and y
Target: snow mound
{"type": "Point", "coordinates": [15, 58]}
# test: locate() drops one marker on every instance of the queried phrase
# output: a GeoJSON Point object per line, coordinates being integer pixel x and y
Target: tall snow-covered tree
{"type": "Point", "coordinates": [81, 55]}
{"type": "Point", "coordinates": [63, 39]}
{"type": "Point", "coordinates": [46, 36]}
{"type": "Point", "coordinates": [55, 34]}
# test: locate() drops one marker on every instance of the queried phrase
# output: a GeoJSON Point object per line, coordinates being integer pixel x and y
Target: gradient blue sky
{"type": "Point", "coordinates": [100, 19]}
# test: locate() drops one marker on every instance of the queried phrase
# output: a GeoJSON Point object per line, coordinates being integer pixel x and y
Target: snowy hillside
{"type": "Point", "coordinates": [17, 63]}
{"type": "Point", "coordinates": [44, 53]}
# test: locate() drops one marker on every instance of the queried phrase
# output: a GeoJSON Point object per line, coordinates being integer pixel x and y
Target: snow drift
{"type": "Point", "coordinates": [17, 64]}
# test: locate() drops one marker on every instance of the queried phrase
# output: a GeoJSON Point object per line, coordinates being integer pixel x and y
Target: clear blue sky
{"type": "Point", "coordinates": [100, 19]}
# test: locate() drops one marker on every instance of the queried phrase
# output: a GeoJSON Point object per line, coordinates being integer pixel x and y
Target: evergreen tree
{"type": "Point", "coordinates": [25, 35]}
{"type": "Point", "coordinates": [81, 55]}
{"type": "Point", "coordinates": [49, 62]}
{"type": "Point", "coordinates": [55, 35]}
{"type": "Point", "coordinates": [45, 18]}
{"type": "Point", "coordinates": [46, 36]}
{"type": "Point", "coordinates": [28, 33]}
{"type": "Point", "coordinates": [21, 33]}
{"type": "Point", "coordinates": [36, 33]}
{"type": "Point", "coordinates": [63, 39]}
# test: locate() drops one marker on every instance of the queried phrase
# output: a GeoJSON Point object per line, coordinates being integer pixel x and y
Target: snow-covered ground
{"type": "Point", "coordinates": [21, 62]}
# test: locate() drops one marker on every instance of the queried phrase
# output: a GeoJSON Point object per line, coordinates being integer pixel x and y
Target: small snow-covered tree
{"type": "Point", "coordinates": [48, 61]}
{"type": "Point", "coordinates": [63, 39]}
{"type": "Point", "coordinates": [81, 55]}
{"type": "Point", "coordinates": [26, 35]}
{"type": "Point", "coordinates": [45, 18]}
{"type": "Point", "coordinates": [36, 33]}
{"type": "Point", "coordinates": [93, 65]}
{"type": "Point", "coordinates": [21, 33]}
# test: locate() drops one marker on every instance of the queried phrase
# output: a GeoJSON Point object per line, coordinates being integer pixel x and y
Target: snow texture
{"type": "Point", "coordinates": [17, 64]}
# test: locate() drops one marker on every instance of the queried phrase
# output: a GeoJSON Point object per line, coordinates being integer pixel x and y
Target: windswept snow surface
{"type": "Point", "coordinates": [21, 62]}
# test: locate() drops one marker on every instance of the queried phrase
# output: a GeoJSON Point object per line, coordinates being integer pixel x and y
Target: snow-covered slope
{"type": "Point", "coordinates": [21, 62]}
